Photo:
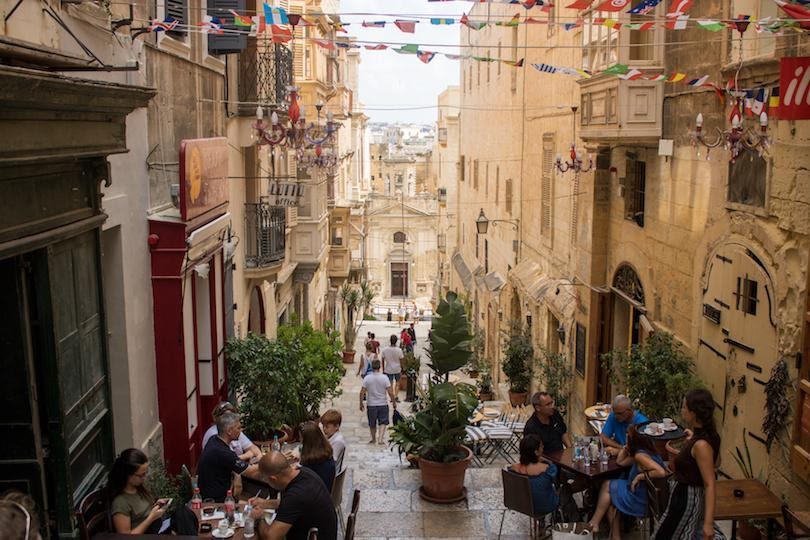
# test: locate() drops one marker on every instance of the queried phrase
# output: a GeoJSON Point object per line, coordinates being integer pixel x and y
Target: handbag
{"type": "Point", "coordinates": [571, 531]}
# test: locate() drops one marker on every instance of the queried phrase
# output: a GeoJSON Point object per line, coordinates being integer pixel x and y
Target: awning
{"type": "Point", "coordinates": [559, 294]}
{"type": "Point", "coordinates": [462, 270]}
{"type": "Point", "coordinates": [494, 281]}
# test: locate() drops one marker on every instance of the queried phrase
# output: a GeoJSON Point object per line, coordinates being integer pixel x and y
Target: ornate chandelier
{"type": "Point", "coordinates": [737, 138]}
{"type": "Point", "coordinates": [576, 163]}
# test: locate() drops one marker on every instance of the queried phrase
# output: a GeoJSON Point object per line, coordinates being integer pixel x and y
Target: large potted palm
{"type": "Point", "coordinates": [355, 301]}
{"type": "Point", "coordinates": [435, 433]}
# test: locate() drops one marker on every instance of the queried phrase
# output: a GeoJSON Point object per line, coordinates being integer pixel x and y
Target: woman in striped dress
{"type": "Point", "coordinates": [690, 512]}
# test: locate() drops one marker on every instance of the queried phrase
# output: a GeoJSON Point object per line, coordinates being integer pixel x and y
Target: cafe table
{"type": "Point", "coordinates": [487, 413]}
{"type": "Point", "coordinates": [757, 502]}
{"type": "Point", "coordinates": [591, 476]}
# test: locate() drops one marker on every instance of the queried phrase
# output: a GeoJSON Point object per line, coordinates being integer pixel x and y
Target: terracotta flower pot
{"type": "Point", "coordinates": [485, 396]}
{"type": "Point", "coordinates": [348, 357]}
{"type": "Point", "coordinates": [443, 483]}
{"type": "Point", "coordinates": [473, 373]}
{"type": "Point", "coordinates": [517, 399]}
{"type": "Point", "coordinates": [402, 385]}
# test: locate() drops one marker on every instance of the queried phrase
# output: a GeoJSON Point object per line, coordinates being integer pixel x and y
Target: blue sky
{"type": "Point", "coordinates": [389, 80]}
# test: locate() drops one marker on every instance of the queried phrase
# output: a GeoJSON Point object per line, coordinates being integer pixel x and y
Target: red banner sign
{"type": "Point", "coordinates": [794, 88]}
{"type": "Point", "coordinates": [203, 177]}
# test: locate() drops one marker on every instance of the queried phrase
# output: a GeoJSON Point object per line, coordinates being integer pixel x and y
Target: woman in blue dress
{"type": "Point", "coordinates": [628, 496]}
{"type": "Point", "coordinates": [541, 474]}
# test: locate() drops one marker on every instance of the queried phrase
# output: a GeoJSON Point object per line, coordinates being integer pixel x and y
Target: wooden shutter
{"type": "Point", "coordinates": [475, 174]}
{"type": "Point", "coordinates": [298, 44]}
{"type": "Point", "coordinates": [461, 170]}
{"type": "Point", "coordinates": [546, 196]}
{"type": "Point", "coordinates": [800, 453]}
{"type": "Point", "coordinates": [508, 195]}
{"type": "Point", "coordinates": [229, 42]}
{"type": "Point", "coordinates": [178, 10]}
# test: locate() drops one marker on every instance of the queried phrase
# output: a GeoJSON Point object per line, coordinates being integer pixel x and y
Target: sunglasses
{"type": "Point", "coordinates": [22, 509]}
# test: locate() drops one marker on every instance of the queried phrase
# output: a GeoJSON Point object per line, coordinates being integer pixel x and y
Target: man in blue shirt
{"type": "Point", "coordinates": [614, 433]}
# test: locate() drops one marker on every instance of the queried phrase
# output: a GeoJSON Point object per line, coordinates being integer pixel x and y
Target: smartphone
{"type": "Point", "coordinates": [163, 503]}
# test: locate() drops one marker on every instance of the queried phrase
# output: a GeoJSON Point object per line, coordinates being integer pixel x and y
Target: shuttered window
{"type": "Point", "coordinates": [546, 187]}
{"type": "Point", "coordinates": [635, 186]}
{"type": "Point", "coordinates": [298, 44]}
{"type": "Point", "coordinates": [475, 174]}
{"type": "Point", "coordinates": [461, 170]}
{"type": "Point", "coordinates": [234, 39]}
{"type": "Point", "coordinates": [508, 195]}
{"type": "Point", "coordinates": [497, 183]}
{"type": "Point", "coordinates": [178, 10]}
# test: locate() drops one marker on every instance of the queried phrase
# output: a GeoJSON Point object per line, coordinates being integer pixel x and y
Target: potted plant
{"type": "Point", "coordinates": [517, 363]}
{"type": "Point", "coordinates": [354, 301]}
{"type": "Point", "coordinates": [656, 374]}
{"type": "Point", "coordinates": [558, 377]}
{"type": "Point", "coordinates": [750, 529]}
{"type": "Point", "coordinates": [485, 386]}
{"type": "Point", "coordinates": [435, 433]}
{"type": "Point", "coordinates": [282, 382]}
{"type": "Point", "coordinates": [478, 363]}
{"type": "Point", "coordinates": [410, 368]}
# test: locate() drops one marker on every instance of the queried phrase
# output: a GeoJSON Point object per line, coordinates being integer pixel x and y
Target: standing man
{"type": "Point", "coordinates": [412, 333]}
{"type": "Point", "coordinates": [392, 360]}
{"type": "Point", "coordinates": [378, 388]}
{"type": "Point", "coordinates": [614, 432]}
{"type": "Point", "coordinates": [305, 503]}
{"type": "Point", "coordinates": [548, 424]}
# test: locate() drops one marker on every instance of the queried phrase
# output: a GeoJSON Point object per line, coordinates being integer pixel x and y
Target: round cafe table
{"type": "Point", "coordinates": [487, 413]}
{"type": "Point", "coordinates": [597, 412]}
{"type": "Point", "coordinates": [661, 441]}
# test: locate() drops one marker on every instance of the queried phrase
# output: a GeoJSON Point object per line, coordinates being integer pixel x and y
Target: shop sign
{"type": "Point", "coordinates": [794, 88]}
{"type": "Point", "coordinates": [285, 193]}
{"type": "Point", "coordinates": [203, 177]}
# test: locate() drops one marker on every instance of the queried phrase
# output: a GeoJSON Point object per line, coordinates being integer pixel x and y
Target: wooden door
{"type": "Point", "coordinates": [399, 279]}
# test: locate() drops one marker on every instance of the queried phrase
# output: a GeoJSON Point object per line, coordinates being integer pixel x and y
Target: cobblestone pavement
{"type": "Point", "coordinates": [390, 506]}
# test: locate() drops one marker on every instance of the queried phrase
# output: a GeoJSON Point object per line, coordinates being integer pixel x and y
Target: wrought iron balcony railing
{"type": "Point", "coordinates": [265, 72]}
{"type": "Point", "coordinates": [264, 234]}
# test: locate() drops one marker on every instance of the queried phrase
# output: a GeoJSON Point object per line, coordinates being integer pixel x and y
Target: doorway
{"type": "Point", "coordinates": [399, 279]}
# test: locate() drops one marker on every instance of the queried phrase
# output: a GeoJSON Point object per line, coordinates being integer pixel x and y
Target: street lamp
{"type": "Point", "coordinates": [482, 222]}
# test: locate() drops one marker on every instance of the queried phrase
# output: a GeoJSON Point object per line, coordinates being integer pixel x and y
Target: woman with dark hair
{"type": "Point", "coordinates": [19, 519]}
{"type": "Point", "coordinates": [541, 474]}
{"type": "Point", "coordinates": [690, 512]}
{"type": "Point", "coordinates": [316, 453]}
{"type": "Point", "coordinates": [134, 510]}
{"type": "Point", "coordinates": [628, 496]}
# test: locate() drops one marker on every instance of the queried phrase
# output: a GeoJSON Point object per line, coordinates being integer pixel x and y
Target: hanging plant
{"type": "Point", "coordinates": [777, 405]}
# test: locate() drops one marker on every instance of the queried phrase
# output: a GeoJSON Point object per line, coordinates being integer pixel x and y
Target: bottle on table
{"type": "Point", "coordinates": [230, 506]}
{"type": "Point", "coordinates": [276, 445]}
{"type": "Point", "coordinates": [196, 500]}
{"type": "Point", "coordinates": [248, 531]}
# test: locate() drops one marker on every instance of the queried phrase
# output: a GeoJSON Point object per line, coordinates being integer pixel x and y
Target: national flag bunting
{"type": "Point", "coordinates": [471, 24]}
{"type": "Point", "coordinates": [677, 23]}
{"type": "Point", "coordinates": [532, 20]}
{"type": "Point", "coordinates": [514, 21]}
{"type": "Point", "coordinates": [324, 44]}
{"type": "Point", "coordinates": [378, 47]}
{"type": "Point", "coordinates": [513, 63]}
{"type": "Point", "coordinates": [679, 8]}
{"type": "Point", "coordinates": [257, 25]}
{"type": "Point", "coordinates": [699, 81]}
{"type": "Point", "coordinates": [409, 27]}
{"type": "Point", "coordinates": [612, 5]}
{"type": "Point", "coordinates": [442, 21]}
{"type": "Point", "coordinates": [711, 26]}
{"type": "Point", "coordinates": [616, 69]}
{"type": "Point", "coordinates": [631, 75]}
{"type": "Point", "coordinates": [408, 49]}
{"type": "Point", "coordinates": [280, 34]}
{"type": "Point", "coordinates": [545, 68]}
{"type": "Point", "coordinates": [211, 24]}
{"type": "Point", "coordinates": [580, 4]}
{"type": "Point", "coordinates": [644, 7]}
{"type": "Point", "coordinates": [801, 13]}
{"type": "Point", "coordinates": [166, 25]}
{"type": "Point", "coordinates": [640, 26]}
{"type": "Point", "coordinates": [275, 15]}
{"type": "Point", "coordinates": [656, 78]}
{"type": "Point", "coordinates": [676, 77]}
{"type": "Point", "coordinates": [241, 20]}
{"type": "Point", "coordinates": [373, 24]}
{"type": "Point", "coordinates": [453, 56]}
{"type": "Point", "coordinates": [425, 56]}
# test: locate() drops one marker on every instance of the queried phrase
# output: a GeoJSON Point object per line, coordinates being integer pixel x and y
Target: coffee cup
{"type": "Point", "coordinates": [667, 422]}
{"type": "Point", "coordinates": [223, 527]}
{"type": "Point", "coordinates": [653, 427]}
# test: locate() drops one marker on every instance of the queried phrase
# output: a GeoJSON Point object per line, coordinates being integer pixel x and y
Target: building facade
{"type": "Point", "coordinates": [444, 176]}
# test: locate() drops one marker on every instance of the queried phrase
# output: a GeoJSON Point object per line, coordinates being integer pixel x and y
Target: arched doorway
{"type": "Point", "coordinates": [737, 348]}
{"type": "Point", "coordinates": [256, 312]}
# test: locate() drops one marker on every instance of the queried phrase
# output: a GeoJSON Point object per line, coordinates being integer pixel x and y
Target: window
{"type": "Point", "coordinates": [486, 179]}
{"type": "Point", "coordinates": [508, 195]}
{"type": "Point", "coordinates": [399, 237]}
{"type": "Point", "coordinates": [442, 194]}
{"type": "Point", "coordinates": [746, 295]}
{"type": "Point", "coordinates": [600, 44]}
{"type": "Point", "coordinates": [488, 63]}
{"type": "Point", "coordinates": [461, 169]}
{"type": "Point", "coordinates": [746, 179]}
{"type": "Point", "coordinates": [642, 42]}
{"type": "Point", "coordinates": [475, 174]}
{"type": "Point", "coordinates": [546, 185]}
{"type": "Point", "coordinates": [486, 256]}
{"type": "Point", "coordinates": [499, 58]}
{"type": "Point", "coordinates": [178, 10]}
{"type": "Point", "coordinates": [635, 183]}
{"type": "Point", "coordinates": [497, 183]}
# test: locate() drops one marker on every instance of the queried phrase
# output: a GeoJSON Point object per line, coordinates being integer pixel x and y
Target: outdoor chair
{"type": "Point", "coordinates": [657, 500]}
{"type": "Point", "coordinates": [517, 496]}
{"type": "Point", "coordinates": [312, 534]}
{"type": "Point", "coordinates": [355, 502]}
{"type": "Point", "coordinates": [499, 437]}
{"type": "Point", "coordinates": [476, 438]}
{"type": "Point", "coordinates": [337, 496]}
{"type": "Point", "coordinates": [92, 515]}
{"type": "Point", "coordinates": [794, 526]}
{"type": "Point", "coordinates": [351, 525]}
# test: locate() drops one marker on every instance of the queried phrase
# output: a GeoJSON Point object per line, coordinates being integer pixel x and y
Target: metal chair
{"type": "Point", "coordinates": [499, 438]}
{"type": "Point", "coordinates": [312, 534]}
{"type": "Point", "coordinates": [794, 526]}
{"type": "Point", "coordinates": [92, 515]}
{"type": "Point", "coordinates": [337, 496]}
{"type": "Point", "coordinates": [517, 496]}
{"type": "Point", "coordinates": [355, 502]}
{"type": "Point", "coordinates": [351, 525]}
{"type": "Point", "coordinates": [477, 440]}
{"type": "Point", "coordinates": [657, 500]}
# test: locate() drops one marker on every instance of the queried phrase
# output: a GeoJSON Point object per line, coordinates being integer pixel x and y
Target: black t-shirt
{"type": "Point", "coordinates": [305, 503]}
{"type": "Point", "coordinates": [551, 433]}
{"type": "Point", "coordinates": [217, 462]}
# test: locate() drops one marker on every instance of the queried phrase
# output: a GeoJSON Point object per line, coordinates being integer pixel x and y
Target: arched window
{"type": "Point", "coordinates": [399, 237]}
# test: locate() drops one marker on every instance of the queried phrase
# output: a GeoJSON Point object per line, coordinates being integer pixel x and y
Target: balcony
{"type": "Point", "coordinates": [264, 234]}
{"type": "Point", "coordinates": [617, 110]}
{"type": "Point", "coordinates": [265, 72]}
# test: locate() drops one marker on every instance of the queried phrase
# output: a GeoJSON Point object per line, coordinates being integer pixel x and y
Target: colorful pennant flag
{"type": "Point", "coordinates": [513, 63]}
{"type": "Point", "coordinates": [514, 21]}
{"type": "Point", "coordinates": [425, 56]}
{"type": "Point", "coordinates": [378, 47]}
{"type": "Point", "coordinates": [676, 77]}
{"type": "Point", "coordinates": [640, 26]}
{"type": "Point", "coordinates": [471, 24]}
{"type": "Point", "coordinates": [408, 49]}
{"type": "Point", "coordinates": [773, 102]}
{"type": "Point", "coordinates": [711, 26]}
{"type": "Point", "coordinates": [241, 20]}
{"type": "Point", "coordinates": [677, 23]}
{"type": "Point", "coordinates": [644, 7]}
{"type": "Point", "coordinates": [571, 26]}
{"type": "Point", "coordinates": [211, 24]}
{"type": "Point", "coordinates": [631, 75]}
{"type": "Point", "coordinates": [699, 82]}
{"type": "Point", "coordinates": [532, 20]}
{"type": "Point", "coordinates": [280, 34]}
{"type": "Point", "coordinates": [616, 69]}
{"type": "Point", "coordinates": [409, 27]}
{"type": "Point", "coordinates": [324, 44]}
{"type": "Point", "coordinates": [580, 4]}
{"type": "Point", "coordinates": [544, 68]}
{"type": "Point", "coordinates": [801, 13]}
{"type": "Point", "coordinates": [373, 24]}
{"type": "Point", "coordinates": [678, 8]}
{"type": "Point", "coordinates": [612, 5]}
{"type": "Point", "coordinates": [257, 25]}
{"type": "Point", "coordinates": [453, 56]}
{"type": "Point", "coordinates": [166, 25]}
{"type": "Point", "coordinates": [442, 21]}
{"type": "Point", "coordinates": [275, 15]}
{"type": "Point", "coordinates": [340, 27]}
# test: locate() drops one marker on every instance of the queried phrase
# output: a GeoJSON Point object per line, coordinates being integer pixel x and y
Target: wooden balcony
{"type": "Point", "coordinates": [616, 110]}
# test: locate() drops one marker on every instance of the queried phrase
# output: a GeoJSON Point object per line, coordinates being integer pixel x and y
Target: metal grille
{"type": "Point", "coordinates": [265, 72]}
{"type": "Point", "coordinates": [265, 234]}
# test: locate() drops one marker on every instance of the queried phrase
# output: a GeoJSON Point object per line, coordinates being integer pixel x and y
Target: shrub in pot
{"type": "Point", "coordinates": [485, 387]}
{"type": "Point", "coordinates": [517, 363]}
{"type": "Point", "coordinates": [435, 433]}
{"type": "Point", "coordinates": [355, 301]}
{"type": "Point", "coordinates": [558, 377]}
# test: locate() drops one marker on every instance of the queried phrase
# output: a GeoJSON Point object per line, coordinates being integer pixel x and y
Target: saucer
{"type": "Point", "coordinates": [216, 534]}
{"type": "Point", "coordinates": [672, 427]}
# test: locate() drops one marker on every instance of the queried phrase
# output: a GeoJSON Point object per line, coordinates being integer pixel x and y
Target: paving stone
{"type": "Point", "coordinates": [483, 478]}
{"type": "Point", "coordinates": [365, 479]}
{"type": "Point", "coordinates": [383, 524]}
{"type": "Point", "coordinates": [485, 499]}
{"type": "Point", "coordinates": [513, 523]}
{"type": "Point", "coordinates": [420, 505]}
{"type": "Point", "coordinates": [407, 478]}
{"type": "Point", "coordinates": [385, 500]}
{"type": "Point", "coordinates": [453, 524]}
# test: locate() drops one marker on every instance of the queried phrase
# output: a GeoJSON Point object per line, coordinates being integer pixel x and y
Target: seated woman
{"type": "Point", "coordinates": [134, 509]}
{"type": "Point", "coordinates": [628, 496]}
{"type": "Point", "coordinates": [316, 453]}
{"type": "Point", "coordinates": [541, 474]}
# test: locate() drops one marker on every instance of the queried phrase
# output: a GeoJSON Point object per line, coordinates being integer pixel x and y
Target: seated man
{"type": "Point", "coordinates": [218, 461]}
{"type": "Point", "coordinates": [614, 433]}
{"type": "Point", "coordinates": [330, 422]}
{"type": "Point", "coordinates": [547, 423]}
{"type": "Point", "coordinates": [243, 446]}
{"type": "Point", "coordinates": [305, 503]}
